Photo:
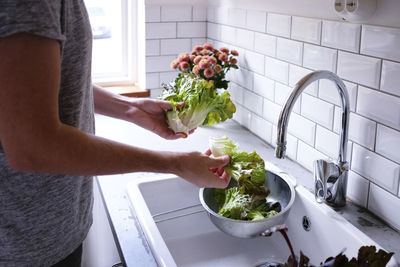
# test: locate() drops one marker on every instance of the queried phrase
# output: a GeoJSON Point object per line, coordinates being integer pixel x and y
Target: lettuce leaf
{"type": "Point", "coordinates": [247, 201]}
{"type": "Point", "coordinates": [203, 105]}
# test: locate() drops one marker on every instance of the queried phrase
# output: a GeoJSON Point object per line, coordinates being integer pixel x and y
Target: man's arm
{"type": "Point", "coordinates": [145, 112]}
{"type": "Point", "coordinates": [35, 140]}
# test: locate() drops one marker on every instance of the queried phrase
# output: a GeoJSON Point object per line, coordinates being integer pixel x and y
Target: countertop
{"type": "Point", "coordinates": [130, 240]}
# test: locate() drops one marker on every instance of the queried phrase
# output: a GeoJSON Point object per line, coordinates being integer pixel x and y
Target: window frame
{"type": "Point", "coordinates": [129, 33]}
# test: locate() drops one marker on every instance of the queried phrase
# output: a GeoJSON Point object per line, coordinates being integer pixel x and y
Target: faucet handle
{"type": "Point", "coordinates": [323, 170]}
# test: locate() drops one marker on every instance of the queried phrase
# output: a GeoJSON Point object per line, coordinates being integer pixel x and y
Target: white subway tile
{"type": "Point", "coordinates": [242, 116]}
{"type": "Point", "coordinates": [199, 13]}
{"type": "Point", "coordinates": [376, 168]}
{"type": "Point", "coordinates": [319, 58]}
{"type": "Point", "coordinates": [228, 34]}
{"type": "Point", "coordinates": [237, 17]}
{"type": "Point", "coordinates": [379, 106]}
{"type": "Point", "coordinates": [360, 69]}
{"type": "Point", "coordinates": [221, 15]}
{"type": "Point", "coordinates": [361, 130]}
{"type": "Point", "coordinates": [265, 44]}
{"type": "Point", "coordinates": [256, 20]}
{"type": "Point", "coordinates": [276, 69]}
{"type": "Point", "coordinates": [153, 13]}
{"type": "Point", "coordinates": [327, 142]}
{"type": "Point", "coordinates": [155, 93]}
{"type": "Point", "coordinates": [175, 46]}
{"type": "Point", "coordinates": [236, 92]}
{"type": "Point", "coordinates": [192, 29]}
{"type": "Point", "coordinates": [245, 38]}
{"type": "Point", "coordinates": [317, 110]}
{"type": "Point", "coordinates": [176, 13]}
{"type": "Point", "coordinates": [390, 77]}
{"type": "Point", "coordinates": [278, 25]}
{"type": "Point", "coordinates": [384, 205]}
{"type": "Point", "coordinates": [152, 80]}
{"type": "Point", "coordinates": [306, 29]}
{"type": "Point", "coordinates": [198, 41]}
{"type": "Point", "coordinates": [289, 50]}
{"type": "Point", "coordinates": [169, 76]}
{"type": "Point", "coordinates": [160, 30]}
{"type": "Point", "coordinates": [253, 102]}
{"type": "Point", "coordinates": [255, 62]}
{"type": "Point", "coordinates": [380, 42]}
{"type": "Point", "coordinates": [271, 111]}
{"type": "Point", "coordinates": [296, 73]}
{"type": "Point", "coordinates": [264, 86]}
{"type": "Point", "coordinates": [152, 47]}
{"type": "Point", "coordinates": [357, 189]}
{"type": "Point", "coordinates": [328, 92]}
{"type": "Point", "coordinates": [302, 128]}
{"type": "Point", "coordinates": [243, 77]}
{"type": "Point", "coordinates": [214, 31]}
{"type": "Point", "coordinates": [306, 155]}
{"type": "Point", "coordinates": [211, 14]}
{"type": "Point", "coordinates": [159, 63]}
{"type": "Point", "coordinates": [261, 128]}
{"type": "Point", "coordinates": [341, 35]}
{"type": "Point", "coordinates": [282, 92]}
{"type": "Point", "coordinates": [388, 143]}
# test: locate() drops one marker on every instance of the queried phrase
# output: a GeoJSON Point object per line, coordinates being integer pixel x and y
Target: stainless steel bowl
{"type": "Point", "coordinates": [281, 190]}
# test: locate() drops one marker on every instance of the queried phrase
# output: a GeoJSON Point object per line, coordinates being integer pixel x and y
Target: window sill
{"type": "Point", "coordinates": [128, 90]}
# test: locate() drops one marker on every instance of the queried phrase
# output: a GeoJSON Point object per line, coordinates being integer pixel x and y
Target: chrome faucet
{"type": "Point", "coordinates": [330, 178]}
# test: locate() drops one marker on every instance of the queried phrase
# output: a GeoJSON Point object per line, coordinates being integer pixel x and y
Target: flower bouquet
{"type": "Point", "coordinates": [199, 86]}
{"type": "Point", "coordinates": [208, 63]}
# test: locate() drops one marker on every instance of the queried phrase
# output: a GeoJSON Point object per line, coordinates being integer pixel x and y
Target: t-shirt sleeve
{"type": "Point", "coordinates": [39, 17]}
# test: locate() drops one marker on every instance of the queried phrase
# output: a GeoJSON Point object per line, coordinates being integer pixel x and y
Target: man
{"type": "Point", "coordinates": [48, 150]}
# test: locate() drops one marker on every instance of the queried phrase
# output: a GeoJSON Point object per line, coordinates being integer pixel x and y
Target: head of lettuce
{"type": "Point", "coordinates": [203, 103]}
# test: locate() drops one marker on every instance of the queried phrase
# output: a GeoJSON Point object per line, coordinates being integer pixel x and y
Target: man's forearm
{"type": "Point", "coordinates": [70, 151]}
{"type": "Point", "coordinates": [110, 104]}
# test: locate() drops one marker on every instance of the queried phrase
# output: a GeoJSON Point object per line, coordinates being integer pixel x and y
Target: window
{"type": "Point", "coordinates": [114, 58]}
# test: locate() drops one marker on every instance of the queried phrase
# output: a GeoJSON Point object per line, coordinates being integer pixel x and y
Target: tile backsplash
{"type": "Point", "coordinates": [275, 52]}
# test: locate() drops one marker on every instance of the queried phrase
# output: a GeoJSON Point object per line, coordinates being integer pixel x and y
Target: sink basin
{"type": "Point", "coordinates": [180, 232]}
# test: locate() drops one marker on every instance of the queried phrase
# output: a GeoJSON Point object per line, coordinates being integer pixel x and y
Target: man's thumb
{"type": "Point", "coordinates": [220, 161]}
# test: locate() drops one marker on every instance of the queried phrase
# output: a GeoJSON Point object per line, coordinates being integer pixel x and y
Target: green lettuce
{"type": "Point", "coordinates": [203, 104]}
{"type": "Point", "coordinates": [247, 200]}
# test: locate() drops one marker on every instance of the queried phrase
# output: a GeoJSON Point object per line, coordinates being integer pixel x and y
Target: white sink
{"type": "Point", "coordinates": [180, 233]}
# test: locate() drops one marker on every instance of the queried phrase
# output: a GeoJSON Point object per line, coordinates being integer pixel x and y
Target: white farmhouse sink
{"type": "Point", "coordinates": [180, 233]}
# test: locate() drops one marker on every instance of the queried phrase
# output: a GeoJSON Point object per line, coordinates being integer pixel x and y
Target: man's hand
{"type": "Point", "coordinates": [203, 170]}
{"type": "Point", "coordinates": [150, 114]}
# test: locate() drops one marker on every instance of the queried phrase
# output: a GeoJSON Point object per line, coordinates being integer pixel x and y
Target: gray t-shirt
{"type": "Point", "coordinates": [43, 218]}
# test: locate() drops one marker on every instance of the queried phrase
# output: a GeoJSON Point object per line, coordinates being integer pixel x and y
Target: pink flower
{"type": "Point", "coordinates": [174, 64]}
{"type": "Point", "coordinates": [198, 48]}
{"type": "Point", "coordinates": [234, 53]}
{"type": "Point", "coordinates": [184, 66]}
{"type": "Point", "coordinates": [192, 57]}
{"type": "Point", "coordinates": [197, 59]}
{"type": "Point", "coordinates": [224, 50]}
{"type": "Point", "coordinates": [205, 52]}
{"type": "Point", "coordinates": [223, 57]}
{"type": "Point", "coordinates": [196, 69]}
{"type": "Point", "coordinates": [218, 68]}
{"type": "Point", "coordinates": [208, 72]}
{"type": "Point", "coordinates": [212, 60]}
{"type": "Point", "coordinates": [233, 61]}
{"type": "Point", "coordinates": [203, 64]}
{"type": "Point", "coordinates": [208, 46]}
{"type": "Point", "coordinates": [183, 57]}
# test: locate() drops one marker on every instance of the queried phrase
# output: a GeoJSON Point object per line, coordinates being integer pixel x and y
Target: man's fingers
{"type": "Point", "coordinates": [219, 161]}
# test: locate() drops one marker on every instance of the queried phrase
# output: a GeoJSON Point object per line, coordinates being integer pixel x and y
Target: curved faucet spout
{"type": "Point", "coordinates": [287, 109]}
